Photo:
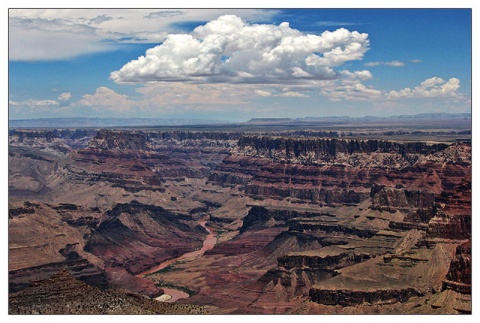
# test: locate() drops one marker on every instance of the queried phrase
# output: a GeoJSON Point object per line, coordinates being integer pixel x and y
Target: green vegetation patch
{"type": "Point", "coordinates": [168, 269]}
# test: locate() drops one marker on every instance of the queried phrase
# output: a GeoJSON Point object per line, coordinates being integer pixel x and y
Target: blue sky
{"type": "Point", "coordinates": [236, 64]}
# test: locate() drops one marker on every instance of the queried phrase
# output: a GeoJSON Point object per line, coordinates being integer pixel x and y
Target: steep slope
{"type": "Point", "coordinates": [63, 294]}
{"type": "Point", "coordinates": [134, 237]}
{"type": "Point", "coordinates": [310, 225]}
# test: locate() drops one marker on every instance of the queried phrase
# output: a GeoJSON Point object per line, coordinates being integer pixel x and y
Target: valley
{"type": "Point", "coordinates": [263, 218]}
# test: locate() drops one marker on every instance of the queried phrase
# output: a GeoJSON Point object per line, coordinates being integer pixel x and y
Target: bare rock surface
{"type": "Point", "coordinates": [301, 224]}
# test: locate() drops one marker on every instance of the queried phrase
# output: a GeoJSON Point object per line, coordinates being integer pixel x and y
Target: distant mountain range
{"type": "Point", "coordinates": [339, 119]}
{"type": "Point", "coordinates": [106, 122]}
{"type": "Point", "coordinates": [152, 122]}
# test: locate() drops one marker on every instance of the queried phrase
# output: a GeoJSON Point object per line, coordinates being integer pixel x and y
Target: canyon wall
{"type": "Point", "coordinates": [331, 220]}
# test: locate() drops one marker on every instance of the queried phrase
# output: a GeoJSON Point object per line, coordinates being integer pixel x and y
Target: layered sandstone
{"type": "Point", "coordinates": [431, 182]}
{"type": "Point", "coordinates": [135, 236]}
{"type": "Point", "coordinates": [342, 223]}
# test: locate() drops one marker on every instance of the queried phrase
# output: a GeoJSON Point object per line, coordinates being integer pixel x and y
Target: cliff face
{"type": "Point", "coordinates": [394, 155]}
{"type": "Point", "coordinates": [61, 141]}
{"type": "Point", "coordinates": [308, 150]}
{"type": "Point", "coordinates": [352, 298]}
{"type": "Point", "coordinates": [326, 263]}
{"type": "Point", "coordinates": [459, 276]}
{"type": "Point", "coordinates": [133, 237]}
{"type": "Point", "coordinates": [47, 238]}
{"type": "Point", "coordinates": [144, 160]}
{"type": "Point", "coordinates": [405, 195]}
{"type": "Point", "coordinates": [121, 140]}
{"type": "Point", "coordinates": [356, 223]}
{"type": "Point", "coordinates": [428, 181]}
{"type": "Point", "coordinates": [80, 268]}
{"type": "Point", "coordinates": [136, 236]}
{"type": "Point", "coordinates": [133, 160]}
{"type": "Point", "coordinates": [211, 138]}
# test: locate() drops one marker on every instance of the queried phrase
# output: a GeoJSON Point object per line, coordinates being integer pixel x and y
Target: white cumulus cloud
{"type": "Point", "coordinates": [228, 49]}
{"type": "Point", "coordinates": [294, 94]}
{"type": "Point", "coordinates": [177, 93]}
{"type": "Point", "coordinates": [434, 87]}
{"type": "Point", "coordinates": [391, 63]}
{"type": "Point", "coordinates": [106, 99]}
{"type": "Point", "coordinates": [350, 91]}
{"type": "Point", "coordinates": [395, 63]}
{"type": "Point", "coordinates": [350, 87]}
{"type": "Point", "coordinates": [61, 34]}
{"type": "Point", "coordinates": [33, 103]}
{"type": "Point", "coordinates": [262, 93]}
{"type": "Point", "coordinates": [65, 96]}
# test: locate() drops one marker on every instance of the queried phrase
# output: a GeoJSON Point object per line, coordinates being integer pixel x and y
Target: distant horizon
{"type": "Point", "coordinates": [252, 118]}
{"type": "Point", "coordinates": [455, 121]}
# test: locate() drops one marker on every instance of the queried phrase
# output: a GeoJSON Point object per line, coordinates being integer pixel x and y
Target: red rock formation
{"type": "Point", "coordinates": [459, 277]}
{"type": "Point", "coordinates": [347, 213]}
{"type": "Point", "coordinates": [352, 298]}
{"type": "Point", "coordinates": [430, 182]}
{"type": "Point", "coordinates": [136, 237]}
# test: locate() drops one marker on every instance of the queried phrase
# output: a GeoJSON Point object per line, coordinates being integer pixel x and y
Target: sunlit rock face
{"type": "Point", "coordinates": [301, 225]}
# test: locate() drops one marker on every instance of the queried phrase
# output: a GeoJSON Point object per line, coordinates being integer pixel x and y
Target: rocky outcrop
{"type": "Point", "coordinates": [459, 276]}
{"type": "Point", "coordinates": [429, 183]}
{"type": "Point", "coordinates": [401, 198]}
{"type": "Point", "coordinates": [61, 293]}
{"type": "Point", "coordinates": [327, 149]}
{"type": "Point", "coordinates": [62, 140]}
{"type": "Point", "coordinates": [214, 138]}
{"type": "Point", "coordinates": [15, 212]}
{"type": "Point", "coordinates": [258, 216]}
{"type": "Point", "coordinates": [121, 140]}
{"type": "Point", "coordinates": [80, 268]}
{"type": "Point", "coordinates": [346, 221]}
{"type": "Point", "coordinates": [295, 281]}
{"type": "Point", "coordinates": [137, 160]}
{"type": "Point", "coordinates": [326, 262]}
{"type": "Point", "coordinates": [136, 236]}
{"type": "Point", "coordinates": [352, 297]}
{"type": "Point", "coordinates": [363, 232]}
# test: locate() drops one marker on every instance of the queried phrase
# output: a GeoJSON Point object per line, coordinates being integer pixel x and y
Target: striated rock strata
{"type": "Point", "coordinates": [334, 225]}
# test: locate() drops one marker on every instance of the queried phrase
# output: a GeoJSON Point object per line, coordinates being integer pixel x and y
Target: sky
{"type": "Point", "coordinates": [237, 64]}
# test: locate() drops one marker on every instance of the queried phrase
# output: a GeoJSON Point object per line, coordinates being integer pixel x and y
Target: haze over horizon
{"type": "Point", "coordinates": [238, 64]}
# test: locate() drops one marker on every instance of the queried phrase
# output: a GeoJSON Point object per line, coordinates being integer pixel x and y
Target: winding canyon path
{"type": "Point", "coordinates": [176, 294]}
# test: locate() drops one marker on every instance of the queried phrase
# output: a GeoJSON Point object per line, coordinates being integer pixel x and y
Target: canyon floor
{"type": "Point", "coordinates": [296, 219]}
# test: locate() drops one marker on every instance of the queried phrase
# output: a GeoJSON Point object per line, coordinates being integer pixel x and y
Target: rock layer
{"type": "Point", "coordinates": [356, 223]}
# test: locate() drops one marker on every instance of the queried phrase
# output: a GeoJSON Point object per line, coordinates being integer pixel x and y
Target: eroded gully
{"type": "Point", "coordinates": [176, 294]}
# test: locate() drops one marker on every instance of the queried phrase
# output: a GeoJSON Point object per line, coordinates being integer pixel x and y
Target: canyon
{"type": "Point", "coordinates": [359, 220]}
